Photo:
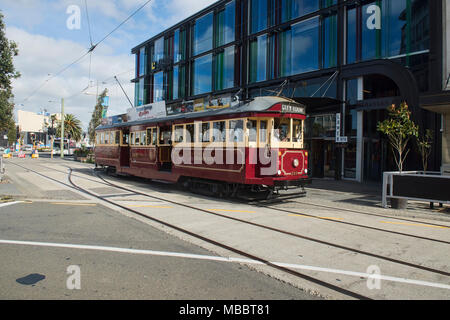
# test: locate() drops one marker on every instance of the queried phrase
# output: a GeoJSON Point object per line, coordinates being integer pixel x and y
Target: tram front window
{"type": "Point", "coordinates": [282, 129]}
{"type": "Point", "coordinates": [252, 126]}
{"type": "Point", "coordinates": [297, 131]}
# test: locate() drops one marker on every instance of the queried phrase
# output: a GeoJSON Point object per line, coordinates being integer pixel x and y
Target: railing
{"type": "Point", "coordinates": [416, 185]}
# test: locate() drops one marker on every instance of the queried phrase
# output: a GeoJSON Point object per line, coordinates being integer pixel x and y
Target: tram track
{"type": "Point", "coordinates": [280, 231]}
{"type": "Point", "coordinates": [203, 238]}
{"type": "Point", "coordinates": [287, 232]}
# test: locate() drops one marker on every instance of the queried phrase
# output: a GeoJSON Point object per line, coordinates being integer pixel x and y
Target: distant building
{"type": "Point", "coordinates": [37, 124]}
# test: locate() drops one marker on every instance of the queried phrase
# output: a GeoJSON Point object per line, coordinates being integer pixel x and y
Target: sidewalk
{"type": "Point", "coordinates": [367, 197]}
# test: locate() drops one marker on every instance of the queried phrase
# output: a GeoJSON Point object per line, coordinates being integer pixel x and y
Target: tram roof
{"type": "Point", "coordinates": [258, 104]}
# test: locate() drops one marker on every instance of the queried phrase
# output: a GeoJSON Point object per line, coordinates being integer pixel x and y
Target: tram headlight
{"type": "Point", "coordinates": [296, 163]}
{"type": "Point", "coordinates": [279, 172]}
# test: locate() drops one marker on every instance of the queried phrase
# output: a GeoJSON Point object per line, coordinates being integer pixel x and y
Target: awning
{"type": "Point", "coordinates": [319, 104]}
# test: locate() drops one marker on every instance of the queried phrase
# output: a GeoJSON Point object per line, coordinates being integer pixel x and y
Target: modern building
{"type": "Point", "coordinates": [358, 56]}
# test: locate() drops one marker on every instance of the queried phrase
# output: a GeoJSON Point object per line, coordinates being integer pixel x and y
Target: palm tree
{"type": "Point", "coordinates": [72, 128]}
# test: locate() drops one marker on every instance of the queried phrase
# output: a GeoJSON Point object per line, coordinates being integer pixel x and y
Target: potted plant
{"type": "Point", "coordinates": [399, 128]}
{"type": "Point", "coordinates": [424, 143]}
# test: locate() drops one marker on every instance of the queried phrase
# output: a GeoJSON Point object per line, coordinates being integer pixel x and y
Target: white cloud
{"type": "Point", "coordinates": [40, 56]}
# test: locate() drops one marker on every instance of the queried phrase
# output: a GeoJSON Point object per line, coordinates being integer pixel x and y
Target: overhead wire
{"type": "Point", "coordinates": [90, 50]}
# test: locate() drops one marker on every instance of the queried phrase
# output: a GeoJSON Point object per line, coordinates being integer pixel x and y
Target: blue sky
{"type": "Point", "coordinates": [46, 45]}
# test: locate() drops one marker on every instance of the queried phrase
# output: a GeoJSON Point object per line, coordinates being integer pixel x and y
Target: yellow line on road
{"type": "Point", "coordinates": [74, 204]}
{"type": "Point", "coordinates": [415, 224]}
{"type": "Point", "coordinates": [226, 210]}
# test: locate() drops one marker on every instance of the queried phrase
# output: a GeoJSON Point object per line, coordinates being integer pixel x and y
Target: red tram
{"type": "Point", "coordinates": [256, 146]}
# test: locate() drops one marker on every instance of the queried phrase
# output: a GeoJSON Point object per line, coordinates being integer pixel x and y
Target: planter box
{"type": "Point", "coordinates": [421, 187]}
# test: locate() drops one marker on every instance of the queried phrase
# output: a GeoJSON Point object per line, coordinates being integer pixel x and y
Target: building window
{"type": "Point", "coordinates": [158, 87]}
{"type": "Point", "coordinates": [225, 25]}
{"type": "Point", "coordinates": [291, 9]}
{"type": "Point", "coordinates": [202, 34]}
{"type": "Point", "coordinates": [300, 48]}
{"type": "Point", "coordinates": [351, 36]}
{"type": "Point", "coordinates": [158, 53]}
{"type": "Point", "coordinates": [179, 45]}
{"type": "Point", "coordinates": [201, 75]}
{"type": "Point", "coordinates": [140, 92]}
{"type": "Point", "coordinates": [224, 69]}
{"type": "Point", "coordinates": [329, 41]}
{"type": "Point", "coordinates": [400, 29]}
{"type": "Point", "coordinates": [258, 59]}
{"type": "Point", "coordinates": [141, 62]}
{"type": "Point", "coordinates": [258, 15]}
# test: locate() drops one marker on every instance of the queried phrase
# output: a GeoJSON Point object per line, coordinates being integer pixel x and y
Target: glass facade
{"type": "Point", "coordinates": [300, 48]}
{"type": "Point", "coordinates": [158, 86]}
{"type": "Point", "coordinates": [202, 75]}
{"type": "Point", "coordinates": [225, 25]}
{"type": "Point", "coordinates": [258, 15]}
{"type": "Point", "coordinates": [224, 69]}
{"type": "Point", "coordinates": [294, 37]}
{"type": "Point", "coordinates": [387, 28]}
{"type": "Point", "coordinates": [258, 59]}
{"type": "Point", "coordinates": [202, 34]}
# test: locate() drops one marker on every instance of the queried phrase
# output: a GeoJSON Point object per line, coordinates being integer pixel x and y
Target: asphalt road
{"type": "Point", "coordinates": [38, 272]}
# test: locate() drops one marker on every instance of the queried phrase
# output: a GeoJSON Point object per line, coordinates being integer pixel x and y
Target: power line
{"type": "Point", "coordinates": [91, 49]}
{"type": "Point", "coordinates": [89, 22]}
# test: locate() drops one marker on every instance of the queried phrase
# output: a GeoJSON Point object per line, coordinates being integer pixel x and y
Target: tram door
{"type": "Point", "coordinates": [125, 148]}
{"type": "Point", "coordinates": [165, 148]}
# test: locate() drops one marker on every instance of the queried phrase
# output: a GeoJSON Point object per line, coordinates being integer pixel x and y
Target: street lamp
{"type": "Point", "coordinates": [62, 128]}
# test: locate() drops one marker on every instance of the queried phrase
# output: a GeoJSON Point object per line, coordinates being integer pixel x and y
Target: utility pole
{"type": "Point", "coordinates": [62, 128]}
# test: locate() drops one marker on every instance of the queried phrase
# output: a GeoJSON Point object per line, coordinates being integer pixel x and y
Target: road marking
{"type": "Point", "coordinates": [148, 206]}
{"type": "Point", "coordinates": [9, 203]}
{"type": "Point", "coordinates": [325, 218]}
{"type": "Point", "coordinates": [225, 259]}
{"type": "Point", "coordinates": [416, 224]}
{"type": "Point", "coordinates": [225, 210]}
{"type": "Point", "coordinates": [74, 204]}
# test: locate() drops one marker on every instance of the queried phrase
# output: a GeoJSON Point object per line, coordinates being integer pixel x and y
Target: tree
{"type": "Point", "coordinates": [424, 143]}
{"type": "Point", "coordinates": [12, 132]}
{"type": "Point", "coordinates": [399, 129]}
{"type": "Point", "coordinates": [72, 128]}
{"type": "Point", "coordinates": [96, 119]}
{"type": "Point", "coordinates": [8, 50]}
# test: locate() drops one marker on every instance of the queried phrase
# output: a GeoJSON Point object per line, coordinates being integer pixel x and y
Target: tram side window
{"type": "Point", "coordinates": [205, 132]}
{"type": "Point", "coordinates": [112, 137]}
{"type": "Point", "coordinates": [179, 134]}
{"type": "Point", "coordinates": [252, 127]}
{"type": "Point", "coordinates": [132, 139]}
{"type": "Point", "coordinates": [297, 130]}
{"type": "Point", "coordinates": [117, 140]}
{"type": "Point", "coordinates": [97, 138]}
{"type": "Point", "coordinates": [219, 133]}
{"type": "Point", "coordinates": [154, 136]}
{"type": "Point", "coordinates": [137, 139]}
{"type": "Point", "coordinates": [236, 131]}
{"type": "Point", "coordinates": [263, 131]}
{"type": "Point", "coordinates": [190, 133]}
{"type": "Point", "coordinates": [282, 129]}
{"type": "Point", "coordinates": [126, 138]}
{"type": "Point", "coordinates": [143, 138]}
{"type": "Point", "coordinates": [102, 135]}
{"type": "Point", "coordinates": [149, 137]}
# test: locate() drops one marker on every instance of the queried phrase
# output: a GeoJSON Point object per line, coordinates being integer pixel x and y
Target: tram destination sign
{"type": "Point", "coordinates": [287, 108]}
